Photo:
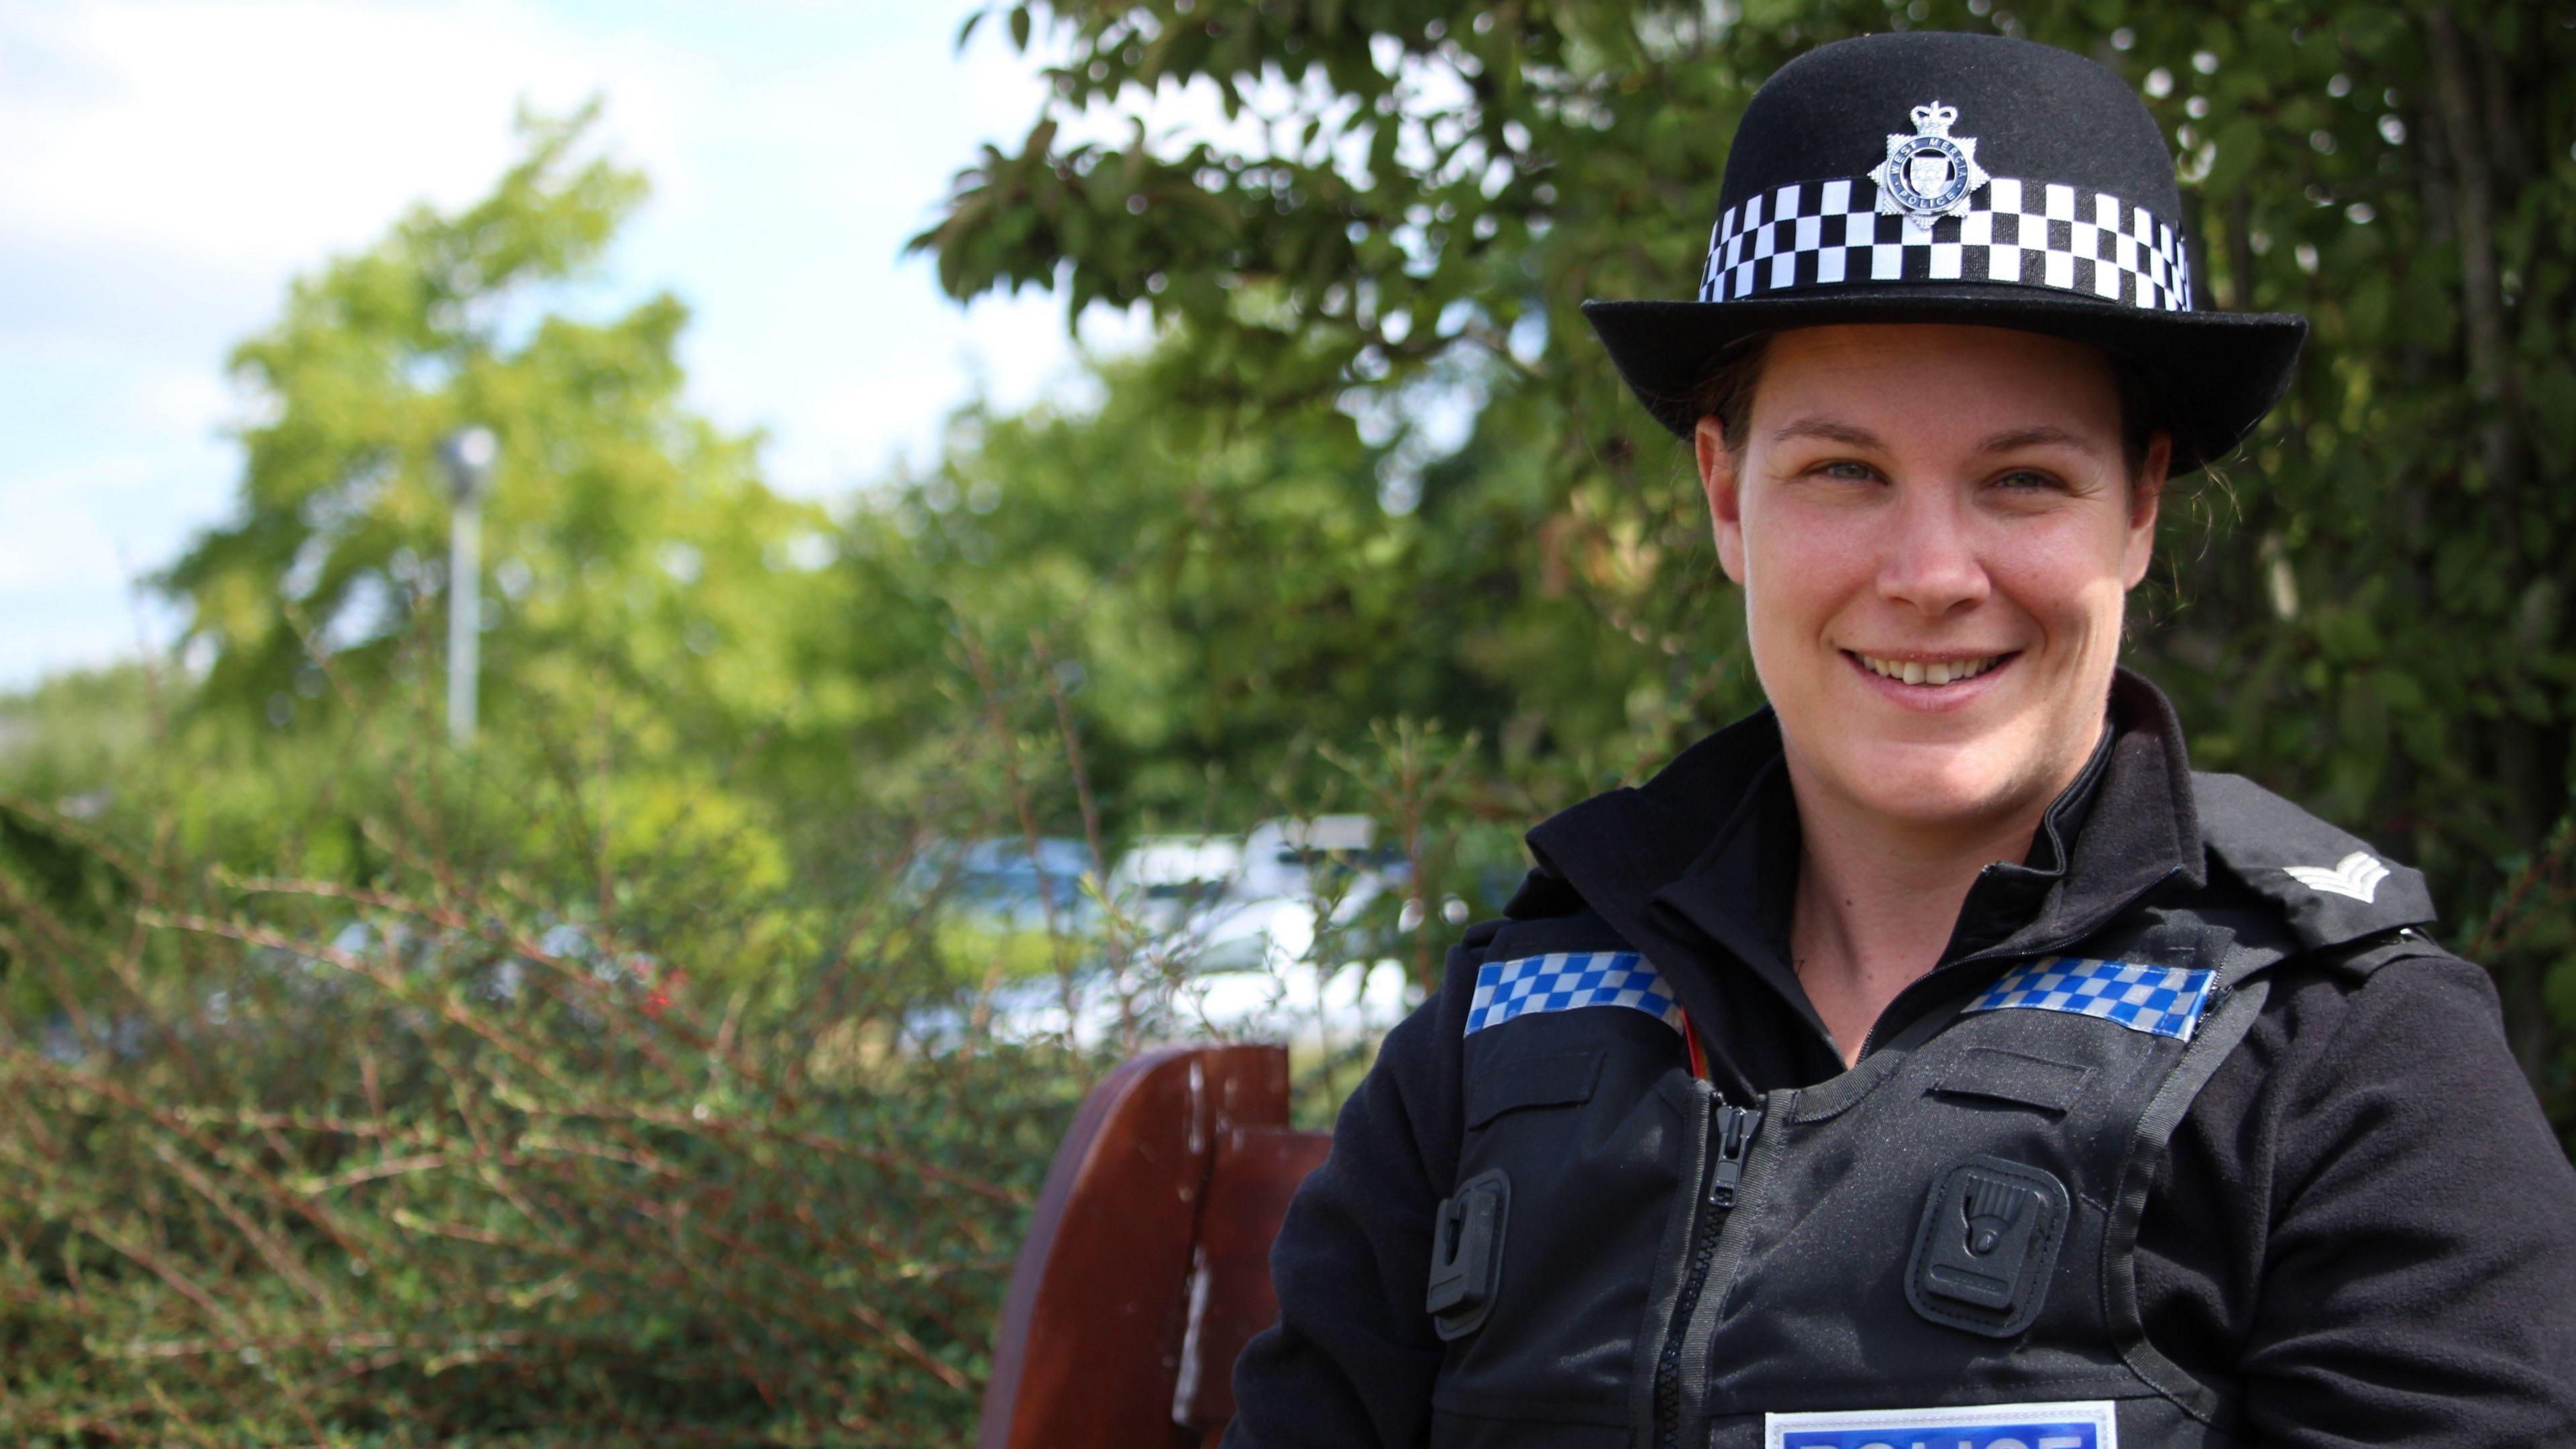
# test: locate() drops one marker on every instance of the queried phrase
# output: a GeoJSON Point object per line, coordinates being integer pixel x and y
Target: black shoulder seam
{"type": "Point", "coordinates": [1543, 893]}
{"type": "Point", "coordinates": [2333, 888]}
{"type": "Point", "coordinates": [2365, 956]}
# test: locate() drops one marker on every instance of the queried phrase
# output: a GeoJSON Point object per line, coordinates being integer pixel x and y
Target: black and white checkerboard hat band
{"type": "Point", "coordinates": [1977, 180]}
{"type": "Point", "coordinates": [2033, 234]}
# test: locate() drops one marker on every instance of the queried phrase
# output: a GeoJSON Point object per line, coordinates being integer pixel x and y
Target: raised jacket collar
{"type": "Point", "coordinates": [1697, 867]}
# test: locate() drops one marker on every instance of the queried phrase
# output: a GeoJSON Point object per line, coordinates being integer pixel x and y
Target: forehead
{"type": "Point", "coordinates": [1916, 377]}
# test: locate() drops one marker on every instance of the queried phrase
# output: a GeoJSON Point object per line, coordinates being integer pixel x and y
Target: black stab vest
{"type": "Point", "coordinates": [1652, 1273]}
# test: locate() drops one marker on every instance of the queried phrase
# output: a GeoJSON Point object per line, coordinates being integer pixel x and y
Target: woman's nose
{"type": "Point", "coordinates": [1930, 562]}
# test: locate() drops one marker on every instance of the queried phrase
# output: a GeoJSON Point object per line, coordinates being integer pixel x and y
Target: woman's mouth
{"type": "Point", "coordinates": [1930, 673]}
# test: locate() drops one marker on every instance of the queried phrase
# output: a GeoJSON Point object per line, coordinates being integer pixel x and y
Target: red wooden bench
{"type": "Point", "coordinates": [1147, 1265]}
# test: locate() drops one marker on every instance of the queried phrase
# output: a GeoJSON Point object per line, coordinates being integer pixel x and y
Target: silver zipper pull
{"type": "Point", "coordinates": [1735, 1129]}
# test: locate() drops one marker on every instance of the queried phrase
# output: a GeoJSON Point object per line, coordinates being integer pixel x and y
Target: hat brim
{"type": "Point", "coordinates": [2215, 373]}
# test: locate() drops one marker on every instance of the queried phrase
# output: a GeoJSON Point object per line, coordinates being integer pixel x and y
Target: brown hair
{"type": "Point", "coordinates": [1727, 396]}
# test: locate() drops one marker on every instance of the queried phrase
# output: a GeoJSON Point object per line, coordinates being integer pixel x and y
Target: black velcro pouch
{"type": "Point", "coordinates": [1467, 1254]}
{"type": "Point", "coordinates": [1986, 1246]}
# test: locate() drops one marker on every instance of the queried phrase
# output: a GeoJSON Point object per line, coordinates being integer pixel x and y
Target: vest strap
{"type": "Point", "coordinates": [2220, 1033]}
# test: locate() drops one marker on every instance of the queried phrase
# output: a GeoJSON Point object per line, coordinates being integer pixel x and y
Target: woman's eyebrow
{"type": "Point", "coordinates": [1828, 429]}
{"type": "Point", "coordinates": [2040, 436]}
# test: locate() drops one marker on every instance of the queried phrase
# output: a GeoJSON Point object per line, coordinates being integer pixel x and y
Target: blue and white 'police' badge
{"type": "Point", "coordinates": [1930, 173]}
{"type": "Point", "coordinates": [2085, 1424]}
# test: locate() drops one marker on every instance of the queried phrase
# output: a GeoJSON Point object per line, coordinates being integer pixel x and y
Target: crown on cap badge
{"type": "Point", "coordinates": [1930, 173]}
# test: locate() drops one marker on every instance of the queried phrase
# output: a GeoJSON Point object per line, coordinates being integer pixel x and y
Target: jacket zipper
{"type": "Point", "coordinates": [1731, 1130]}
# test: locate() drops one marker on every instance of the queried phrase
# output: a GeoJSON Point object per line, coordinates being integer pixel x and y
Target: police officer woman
{"type": "Point", "coordinates": [1933, 1059]}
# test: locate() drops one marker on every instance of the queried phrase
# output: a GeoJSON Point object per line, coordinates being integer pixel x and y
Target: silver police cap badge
{"type": "Point", "coordinates": [1930, 173]}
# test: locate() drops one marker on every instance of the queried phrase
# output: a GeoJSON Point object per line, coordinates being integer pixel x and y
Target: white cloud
{"type": "Point", "coordinates": [265, 131]}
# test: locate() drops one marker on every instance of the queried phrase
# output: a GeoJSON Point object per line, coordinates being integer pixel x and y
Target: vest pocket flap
{"type": "Point", "coordinates": [2004, 1076]}
{"type": "Point", "coordinates": [1540, 1081]}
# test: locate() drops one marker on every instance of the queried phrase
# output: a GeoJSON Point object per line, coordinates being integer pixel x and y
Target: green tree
{"type": "Point", "coordinates": [2371, 617]}
{"type": "Point", "coordinates": [654, 613]}
{"type": "Point", "coordinates": [631, 547]}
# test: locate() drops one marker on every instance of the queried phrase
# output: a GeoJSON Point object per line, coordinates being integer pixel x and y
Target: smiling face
{"type": "Point", "coordinates": [1936, 529]}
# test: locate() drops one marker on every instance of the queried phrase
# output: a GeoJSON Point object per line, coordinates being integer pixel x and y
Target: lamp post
{"type": "Point", "coordinates": [468, 455]}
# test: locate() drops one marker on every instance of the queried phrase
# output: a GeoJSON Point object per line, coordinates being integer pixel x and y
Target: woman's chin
{"type": "Point", "coordinates": [1932, 788]}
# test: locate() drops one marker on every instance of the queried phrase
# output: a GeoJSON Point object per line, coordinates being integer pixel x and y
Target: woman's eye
{"type": "Point", "coordinates": [1847, 470]}
{"type": "Point", "coordinates": [2028, 481]}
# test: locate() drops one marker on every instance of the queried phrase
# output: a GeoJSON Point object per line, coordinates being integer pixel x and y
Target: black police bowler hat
{"type": "Point", "coordinates": [1931, 177]}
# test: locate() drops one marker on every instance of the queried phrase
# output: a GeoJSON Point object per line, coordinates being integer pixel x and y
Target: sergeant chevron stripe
{"type": "Point", "coordinates": [2356, 875]}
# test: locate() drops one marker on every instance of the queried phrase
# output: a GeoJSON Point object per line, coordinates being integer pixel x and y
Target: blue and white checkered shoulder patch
{"type": "Point", "coordinates": [1568, 980]}
{"type": "Point", "coordinates": [2159, 1000]}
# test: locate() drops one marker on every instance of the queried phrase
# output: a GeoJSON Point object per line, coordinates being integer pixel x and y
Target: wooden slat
{"type": "Point", "coordinates": [1089, 1351]}
{"type": "Point", "coordinates": [1256, 1172]}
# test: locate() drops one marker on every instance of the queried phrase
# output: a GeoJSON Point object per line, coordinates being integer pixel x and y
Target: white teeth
{"type": "Point", "coordinates": [1912, 671]}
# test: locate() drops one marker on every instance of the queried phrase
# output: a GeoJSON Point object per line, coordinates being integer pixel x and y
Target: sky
{"type": "Point", "coordinates": [169, 165]}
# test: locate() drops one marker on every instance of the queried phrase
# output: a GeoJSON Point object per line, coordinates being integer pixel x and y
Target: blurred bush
{"type": "Point", "coordinates": [517, 1125]}
{"type": "Point", "coordinates": [434, 1160]}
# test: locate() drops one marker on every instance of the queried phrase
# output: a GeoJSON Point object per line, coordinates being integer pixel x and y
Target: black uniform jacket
{"type": "Point", "coordinates": [2362, 1224]}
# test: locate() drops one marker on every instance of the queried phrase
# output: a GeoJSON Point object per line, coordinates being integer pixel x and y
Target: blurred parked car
{"type": "Point", "coordinates": [1005, 884]}
{"type": "Point", "coordinates": [1164, 883]}
{"type": "Point", "coordinates": [1270, 937]}
{"type": "Point", "coordinates": [1303, 1002]}
{"type": "Point", "coordinates": [1301, 880]}
{"type": "Point", "coordinates": [1328, 857]}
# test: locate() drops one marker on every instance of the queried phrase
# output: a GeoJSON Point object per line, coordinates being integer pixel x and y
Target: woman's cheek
{"type": "Point", "coordinates": [1808, 557]}
{"type": "Point", "coordinates": [2066, 577]}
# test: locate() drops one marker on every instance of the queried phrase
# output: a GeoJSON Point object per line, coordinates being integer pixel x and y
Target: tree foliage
{"type": "Point", "coordinates": [1229, 597]}
{"type": "Point", "coordinates": [2368, 612]}
{"type": "Point", "coordinates": [632, 552]}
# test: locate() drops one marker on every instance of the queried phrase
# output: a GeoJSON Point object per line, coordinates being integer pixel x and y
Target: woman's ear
{"type": "Point", "coordinates": [2146, 495]}
{"type": "Point", "coordinates": [1721, 480]}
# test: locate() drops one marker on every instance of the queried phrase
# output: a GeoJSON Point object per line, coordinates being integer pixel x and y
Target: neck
{"type": "Point", "coordinates": [1877, 898]}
